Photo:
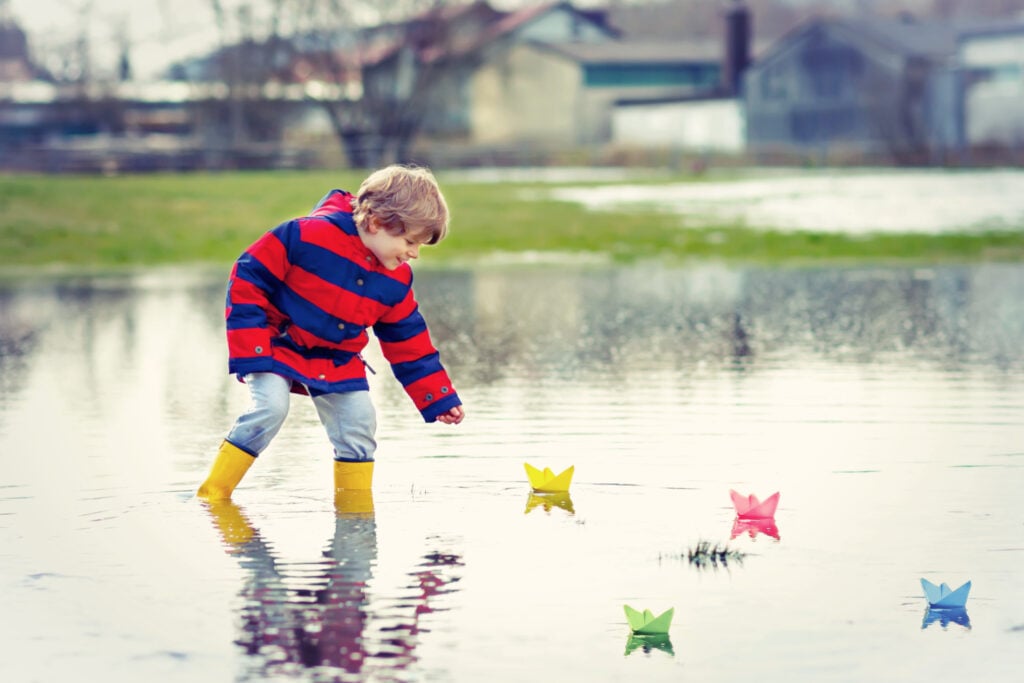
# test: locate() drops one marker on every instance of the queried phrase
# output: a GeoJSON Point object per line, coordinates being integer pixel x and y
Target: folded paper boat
{"type": "Point", "coordinates": [749, 507]}
{"type": "Point", "coordinates": [646, 624]}
{"type": "Point", "coordinates": [942, 596]}
{"type": "Point", "coordinates": [546, 481]}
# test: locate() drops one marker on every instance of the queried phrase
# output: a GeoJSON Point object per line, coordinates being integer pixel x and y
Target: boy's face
{"type": "Point", "coordinates": [391, 250]}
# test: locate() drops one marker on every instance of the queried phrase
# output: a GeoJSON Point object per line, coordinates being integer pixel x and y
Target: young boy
{"type": "Point", "coordinates": [299, 302]}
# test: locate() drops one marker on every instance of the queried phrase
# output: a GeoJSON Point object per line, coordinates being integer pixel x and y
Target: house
{"type": "Point", "coordinates": [565, 92]}
{"type": "Point", "coordinates": [875, 87]}
{"type": "Point", "coordinates": [706, 119]}
{"type": "Point", "coordinates": [551, 75]}
{"type": "Point", "coordinates": [491, 90]}
{"type": "Point", "coordinates": [15, 63]}
{"type": "Point", "coordinates": [547, 74]}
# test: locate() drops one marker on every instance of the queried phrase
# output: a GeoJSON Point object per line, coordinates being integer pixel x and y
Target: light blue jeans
{"type": "Point", "coordinates": [349, 418]}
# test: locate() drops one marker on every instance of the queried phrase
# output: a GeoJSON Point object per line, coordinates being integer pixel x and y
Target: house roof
{"type": "Point", "coordinates": [987, 29]}
{"type": "Point", "coordinates": [931, 40]}
{"type": "Point", "coordinates": [910, 37]}
{"type": "Point", "coordinates": [516, 19]}
{"type": "Point", "coordinates": [638, 52]}
{"type": "Point", "coordinates": [502, 24]}
{"type": "Point", "coordinates": [513, 21]}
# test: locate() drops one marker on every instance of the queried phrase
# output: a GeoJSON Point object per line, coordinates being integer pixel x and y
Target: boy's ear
{"type": "Point", "coordinates": [372, 226]}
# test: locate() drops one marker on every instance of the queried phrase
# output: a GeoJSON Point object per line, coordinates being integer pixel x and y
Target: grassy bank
{"type": "Point", "coordinates": [162, 219]}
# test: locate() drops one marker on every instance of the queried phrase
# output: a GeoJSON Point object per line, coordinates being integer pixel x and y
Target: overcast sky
{"type": "Point", "coordinates": [159, 31]}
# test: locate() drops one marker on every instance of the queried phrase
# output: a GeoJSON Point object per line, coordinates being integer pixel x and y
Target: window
{"type": "Point", "coordinates": [651, 74]}
{"type": "Point", "coordinates": [831, 69]}
{"type": "Point", "coordinates": [773, 83]}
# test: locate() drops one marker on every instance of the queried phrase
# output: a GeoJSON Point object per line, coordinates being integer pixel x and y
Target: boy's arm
{"type": "Point", "coordinates": [406, 344]}
{"type": "Point", "coordinates": [255, 277]}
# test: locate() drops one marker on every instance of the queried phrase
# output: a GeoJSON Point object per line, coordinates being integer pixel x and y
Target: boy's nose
{"type": "Point", "coordinates": [414, 251]}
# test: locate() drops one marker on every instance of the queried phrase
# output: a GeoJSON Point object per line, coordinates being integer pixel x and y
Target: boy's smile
{"type": "Point", "coordinates": [391, 250]}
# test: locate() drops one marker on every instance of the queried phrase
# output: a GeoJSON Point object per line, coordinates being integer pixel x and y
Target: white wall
{"type": "Point", "coordinates": [994, 108]}
{"type": "Point", "coordinates": [705, 125]}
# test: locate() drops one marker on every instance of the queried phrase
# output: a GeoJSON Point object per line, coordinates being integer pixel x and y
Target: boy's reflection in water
{"type": "Point", "coordinates": [323, 623]}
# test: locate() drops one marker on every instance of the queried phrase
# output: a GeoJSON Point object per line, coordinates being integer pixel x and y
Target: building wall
{"type": "Point", "coordinates": [604, 87]}
{"type": "Point", "coordinates": [701, 125]}
{"type": "Point", "coordinates": [825, 88]}
{"type": "Point", "coordinates": [994, 89]}
{"type": "Point", "coordinates": [525, 94]}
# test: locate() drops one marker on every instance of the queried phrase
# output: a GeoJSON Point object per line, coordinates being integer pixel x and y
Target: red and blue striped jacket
{"type": "Point", "coordinates": [301, 298]}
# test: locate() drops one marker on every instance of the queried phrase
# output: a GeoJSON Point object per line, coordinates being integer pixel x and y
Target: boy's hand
{"type": "Point", "coordinates": [453, 416]}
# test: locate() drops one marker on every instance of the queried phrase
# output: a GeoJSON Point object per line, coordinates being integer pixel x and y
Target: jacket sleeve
{"type": "Point", "coordinates": [405, 343]}
{"type": "Point", "coordinates": [251, 315]}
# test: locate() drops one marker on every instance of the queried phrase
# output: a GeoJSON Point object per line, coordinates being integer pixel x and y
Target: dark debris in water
{"type": "Point", "coordinates": [705, 555]}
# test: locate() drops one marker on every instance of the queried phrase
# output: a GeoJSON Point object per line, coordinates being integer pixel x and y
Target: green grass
{"type": "Point", "coordinates": [173, 219]}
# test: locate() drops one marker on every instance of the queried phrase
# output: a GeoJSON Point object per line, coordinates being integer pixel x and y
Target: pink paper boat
{"type": "Point", "coordinates": [749, 507]}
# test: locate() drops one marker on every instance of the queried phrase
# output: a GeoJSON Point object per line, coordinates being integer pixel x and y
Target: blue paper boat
{"type": "Point", "coordinates": [942, 597]}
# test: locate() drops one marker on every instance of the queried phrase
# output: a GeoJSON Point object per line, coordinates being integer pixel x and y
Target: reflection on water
{"type": "Point", "coordinates": [886, 403]}
{"type": "Point", "coordinates": [947, 616]}
{"type": "Point", "coordinates": [317, 615]}
{"type": "Point", "coordinates": [649, 644]}
{"type": "Point", "coordinates": [547, 501]}
{"type": "Point", "coordinates": [753, 527]}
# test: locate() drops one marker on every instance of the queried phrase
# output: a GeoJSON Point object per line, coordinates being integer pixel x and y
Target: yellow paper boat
{"type": "Point", "coordinates": [646, 624]}
{"type": "Point", "coordinates": [546, 481]}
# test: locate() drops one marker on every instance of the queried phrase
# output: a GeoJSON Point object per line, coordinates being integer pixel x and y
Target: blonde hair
{"type": "Point", "coordinates": [406, 200]}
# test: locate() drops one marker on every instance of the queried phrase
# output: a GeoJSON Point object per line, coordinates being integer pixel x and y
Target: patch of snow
{"type": "Point", "coordinates": [883, 202]}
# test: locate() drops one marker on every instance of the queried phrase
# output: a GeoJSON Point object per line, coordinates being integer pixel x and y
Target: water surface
{"type": "Point", "coordinates": [835, 201]}
{"type": "Point", "coordinates": [885, 405]}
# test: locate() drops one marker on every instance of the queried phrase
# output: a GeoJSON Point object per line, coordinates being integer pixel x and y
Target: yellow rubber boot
{"type": "Point", "coordinates": [352, 482]}
{"type": "Point", "coordinates": [228, 469]}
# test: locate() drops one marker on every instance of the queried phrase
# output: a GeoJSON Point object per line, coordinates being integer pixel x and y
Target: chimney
{"type": "Point", "coordinates": [737, 46]}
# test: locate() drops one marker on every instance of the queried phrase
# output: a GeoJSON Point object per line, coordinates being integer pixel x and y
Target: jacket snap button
{"type": "Point", "coordinates": [341, 326]}
{"type": "Point", "coordinates": [259, 349]}
{"type": "Point", "coordinates": [323, 376]}
{"type": "Point", "coordinates": [429, 397]}
{"type": "Point", "coordinates": [444, 390]}
{"type": "Point", "coordinates": [359, 282]}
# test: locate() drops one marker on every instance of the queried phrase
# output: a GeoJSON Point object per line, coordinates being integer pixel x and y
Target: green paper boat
{"type": "Point", "coordinates": [646, 624]}
{"type": "Point", "coordinates": [547, 481]}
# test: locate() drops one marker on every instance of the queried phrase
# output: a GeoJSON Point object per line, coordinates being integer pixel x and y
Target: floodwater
{"type": "Point", "coordinates": [885, 405]}
{"type": "Point", "coordinates": [846, 201]}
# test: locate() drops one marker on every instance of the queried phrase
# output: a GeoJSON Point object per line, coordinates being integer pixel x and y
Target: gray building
{"type": "Point", "coordinates": [991, 61]}
{"type": "Point", "coordinates": [873, 88]}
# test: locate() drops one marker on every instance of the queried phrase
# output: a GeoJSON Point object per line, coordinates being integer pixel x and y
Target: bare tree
{"type": "Point", "coordinates": [69, 59]}
{"type": "Point", "coordinates": [370, 66]}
